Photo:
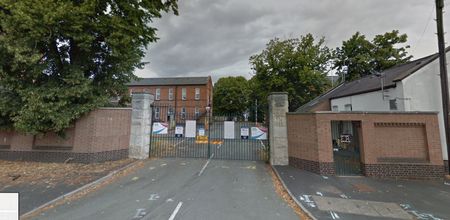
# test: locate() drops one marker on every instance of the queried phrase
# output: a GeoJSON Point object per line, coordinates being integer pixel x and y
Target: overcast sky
{"type": "Point", "coordinates": [217, 37]}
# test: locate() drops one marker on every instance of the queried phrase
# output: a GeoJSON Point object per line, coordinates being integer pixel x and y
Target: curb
{"type": "Point", "coordinates": [95, 182]}
{"type": "Point", "coordinates": [310, 215]}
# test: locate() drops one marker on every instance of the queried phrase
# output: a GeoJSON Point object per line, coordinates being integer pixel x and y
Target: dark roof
{"type": "Point", "coordinates": [372, 83]}
{"type": "Point", "coordinates": [170, 81]}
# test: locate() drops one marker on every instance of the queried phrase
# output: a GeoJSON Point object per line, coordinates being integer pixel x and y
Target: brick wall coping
{"type": "Point", "coordinates": [113, 108]}
{"type": "Point", "coordinates": [365, 113]}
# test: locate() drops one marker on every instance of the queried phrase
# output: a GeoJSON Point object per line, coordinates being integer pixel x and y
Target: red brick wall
{"type": "Point", "coordinates": [100, 131]}
{"type": "Point", "coordinates": [409, 143]}
{"type": "Point", "coordinates": [190, 103]}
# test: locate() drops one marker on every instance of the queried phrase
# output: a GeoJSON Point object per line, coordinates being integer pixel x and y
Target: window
{"type": "Point", "coordinates": [183, 113]}
{"type": "Point", "coordinates": [393, 104]}
{"type": "Point", "coordinates": [348, 107]}
{"type": "Point", "coordinates": [157, 113]}
{"type": "Point", "coordinates": [183, 94]}
{"type": "Point", "coordinates": [170, 93]}
{"type": "Point", "coordinates": [158, 94]}
{"type": "Point", "coordinates": [170, 111]}
{"type": "Point", "coordinates": [335, 108]}
{"type": "Point", "coordinates": [197, 112]}
{"type": "Point", "coordinates": [197, 93]}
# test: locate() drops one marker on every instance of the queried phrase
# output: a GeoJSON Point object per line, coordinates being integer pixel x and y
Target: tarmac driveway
{"type": "Point", "coordinates": [183, 189]}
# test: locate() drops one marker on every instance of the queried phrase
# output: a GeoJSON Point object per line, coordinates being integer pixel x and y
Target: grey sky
{"type": "Point", "coordinates": [217, 37]}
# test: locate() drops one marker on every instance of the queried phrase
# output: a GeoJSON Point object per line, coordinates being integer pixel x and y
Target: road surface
{"type": "Point", "coordinates": [188, 189]}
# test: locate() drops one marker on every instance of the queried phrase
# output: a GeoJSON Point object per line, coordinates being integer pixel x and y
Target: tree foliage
{"type": "Point", "coordinates": [298, 66]}
{"type": "Point", "coordinates": [231, 95]}
{"type": "Point", "coordinates": [61, 59]}
{"type": "Point", "coordinates": [358, 56]}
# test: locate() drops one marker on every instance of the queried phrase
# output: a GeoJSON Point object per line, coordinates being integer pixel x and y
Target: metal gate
{"type": "Point", "coordinates": [346, 147]}
{"type": "Point", "coordinates": [197, 134]}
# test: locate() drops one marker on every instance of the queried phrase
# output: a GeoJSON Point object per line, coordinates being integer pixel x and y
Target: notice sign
{"type": "Point", "coordinates": [191, 128]}
{"type": "Point", "coordinates": [160, 128]}
{"type": "Point", "coordinates": [259, 133]}
{"type": "Point", "coordinates": [346, 138]}
{"type": "Point", "coordinates": [229, 130]}
{"type": "Point", "coordinates": [179, 130]}
{"type": "Point", "coordinates": [201, 132]}
{"type": "Point", "coordinates": [245, 131]}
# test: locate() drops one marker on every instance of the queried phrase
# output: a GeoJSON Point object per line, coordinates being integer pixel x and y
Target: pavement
{"type": "Point", "coordinates": [183, 189]}
{"type": "Point", "coordinates": [39, 183]}
{"type": "Point", "coordinates": [331, 197]}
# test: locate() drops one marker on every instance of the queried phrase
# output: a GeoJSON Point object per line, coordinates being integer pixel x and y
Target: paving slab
{"type": "Point", "coordinates": [332, 197]}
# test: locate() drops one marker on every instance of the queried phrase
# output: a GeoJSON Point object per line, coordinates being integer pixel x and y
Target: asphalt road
{"type": "Point", "coordinates": [183, 189]}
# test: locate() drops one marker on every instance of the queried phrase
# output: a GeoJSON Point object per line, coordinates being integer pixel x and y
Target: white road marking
{"type": "Point", "coordinates": [174, 213]}
{"type": "Point", "coordinates": [319, 193]}
{"type": "Point", "coordinates": [153, 197]}
{"type": "Point", "coordinates": [334, 215]}
{"type": "Point", "coordinates": [139, 213]}
{"type": "Point", "coordinates": [206, 164]}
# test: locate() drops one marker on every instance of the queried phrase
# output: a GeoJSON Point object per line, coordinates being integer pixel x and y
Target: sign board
{"type": "Point", "coordinates": [245, 131]}
{"type": "Point", "coordinates": [346, 138]}
{"type": "Point", "coordinates": [191, 128]}
{"type": "Point", "coordinates": [259, 133]}
{"type": "Point", "coordinates": [179, 130]}
{"type": "Point", "coordinates": [228, 130]}
{"type": "Point", "coordinates": [201, 132]}
{"type": "Point", "coordinates": [160, 128]}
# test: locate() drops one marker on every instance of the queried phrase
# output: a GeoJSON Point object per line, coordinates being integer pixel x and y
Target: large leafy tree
{"type": "Point", "coordinates": [359, 57]}
{"type": "Point", "coordinates": [61, 59]}
{"type": "Point", "coordinates": [231, 95]}
{"type": "Point", "coordinates": [298, 66]}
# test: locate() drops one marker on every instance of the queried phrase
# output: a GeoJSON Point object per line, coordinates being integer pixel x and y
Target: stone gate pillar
{"type": "Point", "coordinates": [141, 121]}
{"type": "Point", "coordinates": [278, 107]}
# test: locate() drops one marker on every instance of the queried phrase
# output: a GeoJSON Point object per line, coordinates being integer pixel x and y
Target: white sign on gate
{"type": "Point", "coordinates": [244, 132]}
{"type": "Point", "coordinates": [229, 130]}
{"type": "Point", "coordinates": [191, 129]}
{"type": "Point", "coordinates": [179, 131]}
{"type": "Point", "coordinates": [160, 128]}
{"type": "Point", "coordinates": [259, 133]}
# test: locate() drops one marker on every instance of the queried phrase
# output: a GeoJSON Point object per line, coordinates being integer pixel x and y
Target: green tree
{"type": "Point", "coordinates": [358, 57]}
{"type": "Point", "coordinates": [231, 95]}
{"type": "Point", "coordinates": [296, 66]}
{"type": "Point", "coordinates": [62, 59]}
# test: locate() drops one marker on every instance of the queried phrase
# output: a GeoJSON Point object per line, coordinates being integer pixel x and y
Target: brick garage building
{"type": "Point", "coordinates": [399, 145]}
{"type": "Point", "coordinates": [101, 135]}
{"type": "Point", "coordinates": [183, 97]}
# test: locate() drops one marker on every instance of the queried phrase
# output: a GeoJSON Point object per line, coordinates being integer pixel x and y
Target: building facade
{"type": "Point", "coordinates": [177, 97]}
{"type": "Point", "coordinates": [413, 87]}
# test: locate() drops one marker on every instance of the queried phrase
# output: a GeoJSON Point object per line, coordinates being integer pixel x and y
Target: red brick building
{"type": "Point", "coordinates": [182, 97]}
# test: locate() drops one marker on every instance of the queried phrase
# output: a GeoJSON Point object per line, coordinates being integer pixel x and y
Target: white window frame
{"type": "Point", "coordinates": [170, 94]}
{"type": "Point", "coordinates": [170, 110]}
{"type": "Point", "coordinates": [393, 103]}
{"type": "Point", "coordinates": [197, 112]}
{"type": "Point", "coordinates": [157, 113]}
{"type": "Point", "coordinates": [183, 94]}
{"type": "Point", "coordinates": [158, 94]}
{"type": "Point", "coordinates": [183, 113]}
{"type": "Point", "coordinates": [197, 93]}
{"type": "Point", "coordinates": [335, 108]}
{"type": "Point", "coordinates": [346, 107]}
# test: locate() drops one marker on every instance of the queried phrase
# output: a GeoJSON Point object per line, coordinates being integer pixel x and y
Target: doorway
{"type": "Point", "coordinates": [346, 147]}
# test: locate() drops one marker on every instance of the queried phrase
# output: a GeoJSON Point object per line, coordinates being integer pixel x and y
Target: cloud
{"type": "Point", "coordinates": [217, 37]}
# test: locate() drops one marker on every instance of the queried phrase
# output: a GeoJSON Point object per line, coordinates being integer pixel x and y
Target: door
{"type": "Point", "coordinates": [346, 147]}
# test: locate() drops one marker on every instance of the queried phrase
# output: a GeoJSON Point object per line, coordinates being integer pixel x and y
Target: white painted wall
{"type": "Point", "coordinates": [424, 89]}
{"type": "Point", "coordinates": [420, 91]}
{"type": "Point", "coordinates": [372, 101]}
